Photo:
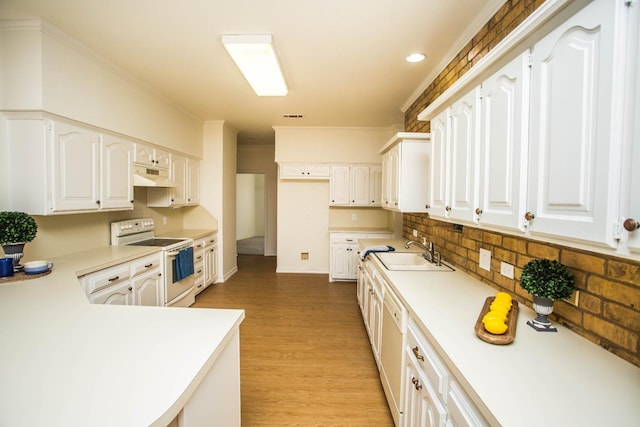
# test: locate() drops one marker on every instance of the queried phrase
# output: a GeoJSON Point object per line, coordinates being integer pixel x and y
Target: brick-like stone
{"type": "Point", "coordinates": [514, 244]}
{"type": "Point", "coordinates": [624, 271]}
{"type": "Point", "coordinates": [581, 261]}
{"type": "Point", "coordinates": [611, 332]}
{"type": "Point", "coordinates": [568, 312]}
{"type": "Point", "coordinates": [614, 291]}
{"type": "Point", "coordinates": [504, 255]}
{"type": "Point", "coordinates": [542, 251]}
{"type": "Point", "coordinates": [622, 315]}
{"type": "Point", "coordinates": [492, 238]}
{"type": "Point", "coordinates": [590, 303]}
{"type": "Point", "coordinates": [472, 233]}
{"type": "Point", "coordinates": [469, 244]}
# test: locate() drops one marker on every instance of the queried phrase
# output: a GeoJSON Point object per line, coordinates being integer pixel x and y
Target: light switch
{"type": "Point", "coordinates": [506, 269]}
{"type": "Point", "coordinates": [485, 259]}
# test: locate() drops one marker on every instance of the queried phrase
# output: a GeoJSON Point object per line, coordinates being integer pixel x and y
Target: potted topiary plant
{"type": "Point", "coordinates": [16, 229]}
{"type": "Point", "coordinates": [548, 281]}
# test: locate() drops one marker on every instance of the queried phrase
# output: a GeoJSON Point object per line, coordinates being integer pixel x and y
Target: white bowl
{"type": "Point", "coordinates": [36, 267]}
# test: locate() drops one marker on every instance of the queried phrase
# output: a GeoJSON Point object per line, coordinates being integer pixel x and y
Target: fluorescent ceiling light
{"type": "Point", "coordinates": [256, 59]}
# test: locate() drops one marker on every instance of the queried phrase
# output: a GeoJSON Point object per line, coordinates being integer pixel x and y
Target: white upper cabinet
{"type": "Point", "coordinates": [117, 164]}
{"type": "Point", "coordinates": [76, 168]}
{"type": "Point", "coordinates": [193, 182]}
{"type": "Point", "coordinates": [503, 146]}
{"type": "Point", "coordinates": [573, 154]}
{"type": "Point", "coordinates": [454, 153]}
{"type": "Point", "coordinates": [185, 173]}
{"type": "Point", "coordinates": [72, 168]}
{"type": "Point", "coordinates": [150, 156]}
{"type": "Point", "coordinates": [304, 171]}
{"type": "Point", "coordinates": [405, 172]}
{"type": "Point", "coordinates": [351, 185]}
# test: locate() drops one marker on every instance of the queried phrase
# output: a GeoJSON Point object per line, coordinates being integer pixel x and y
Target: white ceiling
{"type": "Point", "coordinates": [343, 59]}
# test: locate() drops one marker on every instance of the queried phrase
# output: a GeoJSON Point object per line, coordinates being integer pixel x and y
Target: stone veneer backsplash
{"type": "Point", "coordinates": [608, 311]}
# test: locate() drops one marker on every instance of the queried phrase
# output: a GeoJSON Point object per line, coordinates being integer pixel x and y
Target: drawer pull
{"type": "Point", "coordinates": [148, 265]}
{"type": "Point", "coordinates": [416, 353]}
{"type": "Point", "coordinates": [113, 279]}
{"type": "Point", "coordinates": [416, 383]}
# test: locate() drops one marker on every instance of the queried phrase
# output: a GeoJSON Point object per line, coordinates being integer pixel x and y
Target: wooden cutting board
{"type": "Point", "coordinates": [512, 322]}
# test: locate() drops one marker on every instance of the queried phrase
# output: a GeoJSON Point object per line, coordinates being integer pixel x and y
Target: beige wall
{"type": "Point", "coordinates": [304, 216]}
{"type": "Point", "coordinates": [218, 190]}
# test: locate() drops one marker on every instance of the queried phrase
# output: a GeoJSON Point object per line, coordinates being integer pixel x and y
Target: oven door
{"type": "Point", "coordinates": [177, 290]}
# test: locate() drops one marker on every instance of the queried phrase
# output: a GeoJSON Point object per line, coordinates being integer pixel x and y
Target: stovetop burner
{"type": "Point", "coordinates": [157, 242]}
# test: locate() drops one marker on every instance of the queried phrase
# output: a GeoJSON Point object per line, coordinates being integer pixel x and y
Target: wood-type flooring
{"type": "Point", "coordinates": [305, 357]}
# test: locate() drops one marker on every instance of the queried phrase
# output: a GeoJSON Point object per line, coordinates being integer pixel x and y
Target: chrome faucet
{"type": "Point", "coordinates": [428, 250]}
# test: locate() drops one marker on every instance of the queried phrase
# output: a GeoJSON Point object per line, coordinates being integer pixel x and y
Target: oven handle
{"type": "Point", "coordinates": [175, 253]}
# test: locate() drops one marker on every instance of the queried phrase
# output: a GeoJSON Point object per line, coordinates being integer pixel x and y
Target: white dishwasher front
{"type": "Point", "coordinates": [394, 332]}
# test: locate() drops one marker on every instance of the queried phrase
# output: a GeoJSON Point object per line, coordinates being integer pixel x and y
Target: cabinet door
{"type": "Point", "coordinates": [375, 320]}
{"type": "Point", "coordinates": [503, 146]}
{"type": "Point", "coordinates": [162, 158]}
{"type": "Point", "coordinates": [375, 185]}
{"type": "Point", "coordinates": [117, 173]}
{"type": "Point", "coordinates": [439, 164]}
{"type": "Point", "coordinates": [571, 168]}
{"type": "Point", "coordinates": [386, 177]}
{"type": "Point", "coordinates": [76, 169]}
{"type": "Point", "coordinates": [359, 185]}
{"type": "Point", "coordinates": [293, 170]}
{"type": "Point", "coordinates": [193, 182]}
{"type": "Point", "coordinates": [318, 171]}
{"type": "Point", "coordinates": [461, 411]}
{"type": "Point", "coordinates": [340, 261]}
{"type": "Point", "coordinates": [339, 185]}
{"type": "Point", "coordinates": [148, 288]}
{"type": "Point", "coordinates": [210, 263]}
{"type": "Point", "coordinates": [179, 175]}
{"type": "Point", "coordinates": [120, 294]}
{"type": "Point", "coordinates": [394, 177]}
{"type": "Point", "coordinates": [144, 155]}
{"type": "Point", "coordinates": [422, 408]}
{"type": "Point", "coordinates": [463, 198]}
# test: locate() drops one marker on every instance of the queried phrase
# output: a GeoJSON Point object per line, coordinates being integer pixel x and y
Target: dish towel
{"type": "Point", "coordinates": [381, 248]}
{"type": "Point", "coordinates": [184, 264]}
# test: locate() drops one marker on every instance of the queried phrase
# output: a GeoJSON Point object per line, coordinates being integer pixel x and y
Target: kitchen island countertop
{"type": "Point", "coordinates": [540, 379]}
{"type": "Point", "coordinates": [67, 362]}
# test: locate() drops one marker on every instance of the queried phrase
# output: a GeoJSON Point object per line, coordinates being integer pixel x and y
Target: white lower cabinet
{"type": "Point", "coordinates": [205, 261]}
{"type": "Point", "coordinates": [433, 397]}
{"type": "Point", "coordinates": [344, 255]}
{"type": "Point", "coordinates": [138, 282]}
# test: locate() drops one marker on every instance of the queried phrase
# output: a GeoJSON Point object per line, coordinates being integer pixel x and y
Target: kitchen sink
{"type": "Point", "coordinates": [409, 261]}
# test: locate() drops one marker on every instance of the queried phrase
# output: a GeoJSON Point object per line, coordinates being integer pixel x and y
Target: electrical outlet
{"type": "Point", "coordinates": [506, 269]}
{"type": "Point", "coordinates": [415, 233]}
{"type": "Point", "coordinates": [304, 256]}
{"type": "Point", "coordinates": [485, 259]}
{"type": "Point", "coordinates": [574, 298]}
{"type": "Point", "coordinates": [354, 217]}
{"type": "Point", "coordinates": [164, 220]}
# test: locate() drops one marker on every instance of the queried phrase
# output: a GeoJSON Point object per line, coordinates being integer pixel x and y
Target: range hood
{"type": "Point", "coordinates": [145, 176]}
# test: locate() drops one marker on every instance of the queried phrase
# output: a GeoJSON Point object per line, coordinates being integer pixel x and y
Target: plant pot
{"type": "Point", "coordinates": [15, 251]}
{"type": "Point", "coordinates": [543, 307]}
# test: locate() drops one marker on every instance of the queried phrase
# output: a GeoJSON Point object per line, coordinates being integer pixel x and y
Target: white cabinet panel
{"type": "Point", "coordinates": [117, 182]}
{"type": "Point", "coordinates": [572, 159]}
{"type": "Point", "coordinates": [304, 171]}
{"type": "Point", "coordinates": [339, 185]}
{"type": "Point", "coordinates": [375, 185]}
{"type": "Point", "coordinates": [76, 168]}
{"type": "Point", "coordinates": [503, 146]}
{"type": "Point", "coordinates": [439, 164]}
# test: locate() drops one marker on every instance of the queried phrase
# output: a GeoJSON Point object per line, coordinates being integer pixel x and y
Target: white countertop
{"type": "Point", "coordinates": [540, 379]}
{"type": "Point", "coordinates": [70, 363]}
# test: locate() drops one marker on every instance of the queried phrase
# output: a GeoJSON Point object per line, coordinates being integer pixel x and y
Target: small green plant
{"type": "Point", "coordinates": [547, 279]}
{"type": "Point", "coordinates": [16, 227]}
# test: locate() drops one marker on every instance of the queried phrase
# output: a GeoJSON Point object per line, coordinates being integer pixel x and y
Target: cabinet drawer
{"type": "Point", "coordinates": [109, 276]}
{"type": "Point", "coordinates": [426, 357]}
{"type": "Point", "coordinates": [342, 238]}
{"type": "Point", "coordinates": [142, 265]}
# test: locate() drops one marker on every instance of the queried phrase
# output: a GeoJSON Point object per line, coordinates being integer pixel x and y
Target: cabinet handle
{"type": "Point", "coordinates": [447, 208]}
{"type": "Point", "coordinates": [148, 265]}
{"type": "Point", "coordinates": [97, 202]}
{"type": "Point", "coordinates": [199, 257]}
{"type": "Point", "coordinates": [529, 216]}
{"type": "Point", "coordinates": [416, 353]}
{"type": "Point", "coordinates": [130, 288]}
{"type": "Point", "coordinates": [478, 211]}
{"type": "Point", "coordinates": [416, 383]}
{"type": "Point", "coordinates": [113, 279]}
{"type": "Point", "coordinates": [631, 224]}
{"type": "Point", "coordinates": [427, 206]}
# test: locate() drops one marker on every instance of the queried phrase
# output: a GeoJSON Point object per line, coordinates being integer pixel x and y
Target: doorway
{"type": "Point", "coordinates": [250, 213]}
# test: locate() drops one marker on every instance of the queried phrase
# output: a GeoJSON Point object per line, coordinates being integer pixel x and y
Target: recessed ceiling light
{"type": "Point", "coordinates": [255, 57]}
{"type": "Point", "coordinates": [416, 57]}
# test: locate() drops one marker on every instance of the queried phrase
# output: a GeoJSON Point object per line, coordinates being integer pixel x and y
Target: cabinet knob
{"type": "Point", "coordinates": [478, 211]}
{"type": "Point", "coordinates": [97, 202]}
{"type": "Point", "coordinates": [427, 206]}
{"type": "Point", "coordinates": [130, 288]}
{"type": "Point", "coordinates": [631, 224]}
{"type": "Point", "coordinates": [447, 208]}
{"type": "Point", "coordinates": [529, 216]}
